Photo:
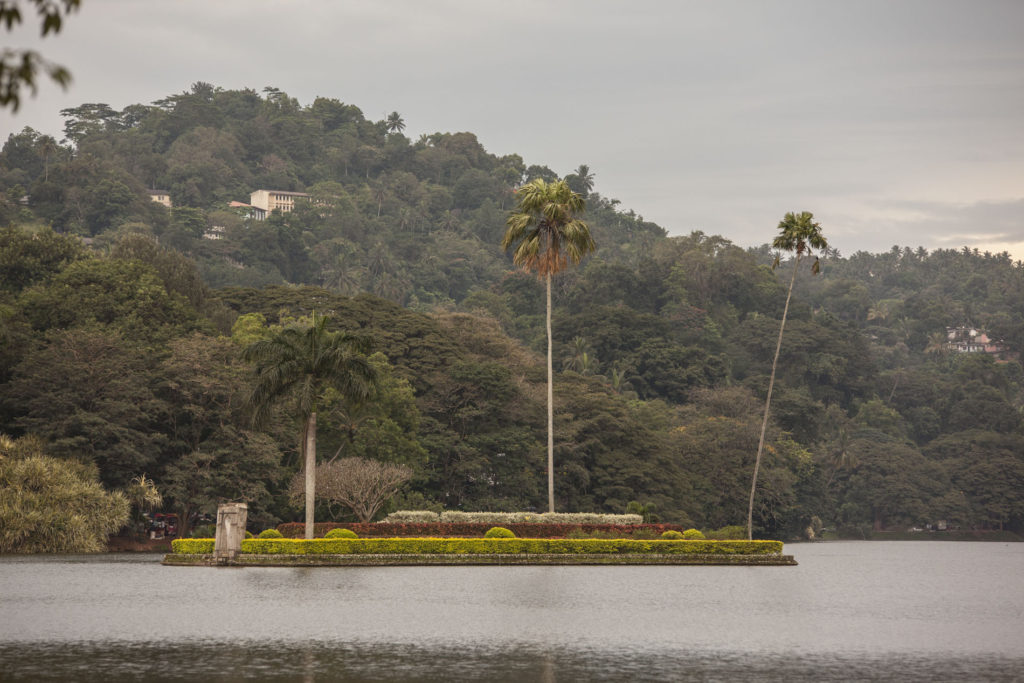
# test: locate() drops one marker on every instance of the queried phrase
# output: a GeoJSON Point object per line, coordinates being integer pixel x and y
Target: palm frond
{"type": "Point", "coordinates": [545, 229]}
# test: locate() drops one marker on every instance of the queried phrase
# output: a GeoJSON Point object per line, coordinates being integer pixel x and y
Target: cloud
{"type": "Point", "coordinates": [994, 226]}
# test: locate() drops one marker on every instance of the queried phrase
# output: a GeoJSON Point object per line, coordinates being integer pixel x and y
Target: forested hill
{"type": "Point", "coordinates": [124, 351]}
{"type": "Point", "coordinates": [409, 221]}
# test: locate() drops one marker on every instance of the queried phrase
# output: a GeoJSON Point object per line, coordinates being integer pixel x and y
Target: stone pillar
{"type": "Point", "coordinates": [231, 518]}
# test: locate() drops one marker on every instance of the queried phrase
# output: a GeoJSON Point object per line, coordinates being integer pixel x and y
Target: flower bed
{"type": "Point", "coordinates": [476, 529]}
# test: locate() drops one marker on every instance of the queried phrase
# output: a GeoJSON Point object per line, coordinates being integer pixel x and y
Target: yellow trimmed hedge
{"type": "Point", "coordinates": [481, 546]}
{"type": "Point", "coordinates": [192, 546]}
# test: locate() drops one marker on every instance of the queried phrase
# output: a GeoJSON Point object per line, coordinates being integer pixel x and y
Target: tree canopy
{"type": "Point", "coordinates": [122, 323]}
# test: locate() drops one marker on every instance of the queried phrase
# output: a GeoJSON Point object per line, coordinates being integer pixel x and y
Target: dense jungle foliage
{"type": "Point", "coordinates": [123, 320]}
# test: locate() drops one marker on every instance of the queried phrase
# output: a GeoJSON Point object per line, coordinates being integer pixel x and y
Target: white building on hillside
{"type": "Point", "coordinates": [265, 201]}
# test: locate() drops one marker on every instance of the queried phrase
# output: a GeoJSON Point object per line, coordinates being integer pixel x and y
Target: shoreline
{"type": "Point", "coordinates": [952, 536]}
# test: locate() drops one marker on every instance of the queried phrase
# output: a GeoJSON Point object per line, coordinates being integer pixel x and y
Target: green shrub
{"type": "Point", "coordinates": [248, 534]}
{"type": "Point", "coordinates": [499, 532]}
{"type": "Point", "coordinates": [729, 533]}
{"type": "Point", "coordinates": [54, 505]}
{"type": "Point", "coordinates": [192, 546]}
{"type": "Point", "coordinates": [634, 533]}
{"type": "Point", "coordinates": [581, 533]}
{"type": "Point", "coordinates": [341, 533]}
{"type": "Point", "coordinates": [204, 531]}
{"type": "Point", "coordinates": [672, 535]}
{"type": "Point", "coordinates": [693, 535]}
{"type": "Point", "coordinates": [270, 533]}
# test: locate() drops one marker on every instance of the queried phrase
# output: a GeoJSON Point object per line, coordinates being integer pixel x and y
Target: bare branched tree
{"type": "Point", "coordinates": [359, 484]}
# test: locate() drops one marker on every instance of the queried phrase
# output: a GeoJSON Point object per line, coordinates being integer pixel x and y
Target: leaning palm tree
{"type": "Point", "coordinates": [303, 362]}
{"type": "Point", "coordinates": [547, 234]}
{"type": "Point", "coordinates": [801, 235]}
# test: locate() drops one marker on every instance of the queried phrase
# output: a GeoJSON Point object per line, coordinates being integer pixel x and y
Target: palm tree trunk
{"type": "Point", "coordinates": [551, 411]}
{"type": "Point", "coordinates": [310, 464]}
{"type": "Point", "coordinates": [767, 404]}
{"type": "Point", "coordinates": [895, 383]}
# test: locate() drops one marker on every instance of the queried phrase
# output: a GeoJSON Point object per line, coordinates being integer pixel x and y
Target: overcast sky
{"type": "Point", "coordinates": [894, 122]}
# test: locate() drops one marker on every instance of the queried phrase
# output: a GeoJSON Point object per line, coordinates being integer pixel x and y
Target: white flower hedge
{"type": "Point", "coordinates": [412, 517]}
{"type": "Point", "coordinates": [456, 517]}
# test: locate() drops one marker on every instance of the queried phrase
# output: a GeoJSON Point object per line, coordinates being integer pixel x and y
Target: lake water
{"type": "Point", "coordinates": [914, 611]}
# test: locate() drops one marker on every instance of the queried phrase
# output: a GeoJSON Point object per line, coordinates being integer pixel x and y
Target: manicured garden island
{"type": "Point", "coordinates": [472, 551]}
{"type": "Point", "coordinates": [499, 546]}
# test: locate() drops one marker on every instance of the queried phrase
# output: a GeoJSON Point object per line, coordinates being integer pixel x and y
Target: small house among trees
{"type": "Point", "coordinates": [161, 197]}
{"type": "Point", "coordinates": [972, 340]}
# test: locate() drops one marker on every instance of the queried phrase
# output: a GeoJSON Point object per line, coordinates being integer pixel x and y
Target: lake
{"type": "Point", "coordinates": [918, 611]}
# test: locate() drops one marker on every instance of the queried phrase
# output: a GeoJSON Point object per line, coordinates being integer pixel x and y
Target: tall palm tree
{"type": "Point", "coordinates": [547, 234]}
{"type": "Point", "coordinates": [394, 123]}
{"type": "Point", "coordinates": [303, 362]}
{"type": "Point", "coordinates": [801, 235]}
{"type": "Point", "coordinates": [47, 147]}
{"type": "Point", "coordinates": [586, 179]}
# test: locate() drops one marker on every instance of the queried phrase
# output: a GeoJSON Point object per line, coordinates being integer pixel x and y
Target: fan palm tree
{"type": "Point", "coordinates": [303, 362]}
{"type": "Point", "coordinates": [547, 234]}
{"type": "Point", "coordinates": [801, 235]}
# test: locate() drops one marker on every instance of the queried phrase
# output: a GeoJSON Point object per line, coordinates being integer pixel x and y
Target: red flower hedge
{"type": "Point", "coordinates": [474, 529]}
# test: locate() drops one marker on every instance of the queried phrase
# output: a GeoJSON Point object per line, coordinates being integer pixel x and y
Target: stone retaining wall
{"type": "Point", "coordinates": [367, 560]}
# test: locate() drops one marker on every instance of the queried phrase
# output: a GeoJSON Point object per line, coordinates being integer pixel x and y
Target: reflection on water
{"type": "Point", "coordinates": [347, 662]}
{"type": "Point", "coordinates": [849, 611]}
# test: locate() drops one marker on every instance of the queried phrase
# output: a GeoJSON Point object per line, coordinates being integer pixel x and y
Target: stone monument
{"type": "Point", "coordinates": [231, 518]}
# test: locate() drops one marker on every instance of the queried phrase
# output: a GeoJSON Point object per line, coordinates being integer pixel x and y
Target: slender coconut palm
{"type": "Point", "coordinates": [586, 178]}
{"type": "Point", "coordinates": [581, 180]}
{"type": "Point", "coordinates": [801, 235]}
{"type": "Point", "coordinates": [47, 147]}
{"type": "Point", "coordinates": [547, 234]}
{"type": "Point", "coordinates": [394, 123]}
{"type": "Point", "coordinates": [303, 362]}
